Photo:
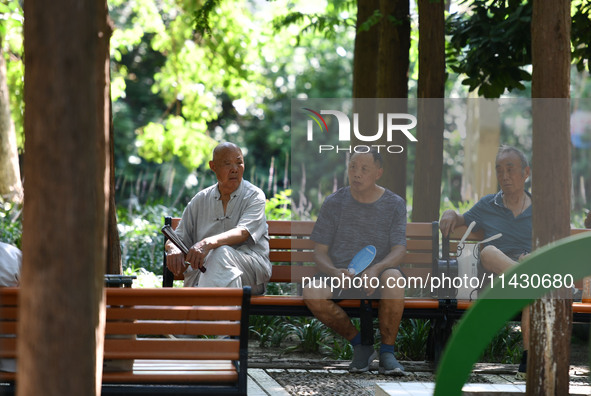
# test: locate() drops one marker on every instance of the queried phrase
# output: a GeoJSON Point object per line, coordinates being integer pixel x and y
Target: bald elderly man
{"type": "Point", "coordinates": [226, 229]}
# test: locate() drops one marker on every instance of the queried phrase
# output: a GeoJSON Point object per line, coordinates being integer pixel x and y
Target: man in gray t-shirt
{"type": "Point", "coordinates": [350, 219]}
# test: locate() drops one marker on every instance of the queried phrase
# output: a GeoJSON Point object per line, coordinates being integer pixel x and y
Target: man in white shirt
{"type": "Point", "coordinates": [226, 229]}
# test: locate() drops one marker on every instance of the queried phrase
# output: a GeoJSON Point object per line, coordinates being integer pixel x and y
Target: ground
{"type": "Point", "coordinates": [314, 374]}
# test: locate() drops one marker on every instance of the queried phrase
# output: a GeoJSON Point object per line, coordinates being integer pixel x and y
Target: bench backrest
{"type": "Point", "coordinates": [292, 250]}
{"type": "Point", "coordinates": [140, 322]}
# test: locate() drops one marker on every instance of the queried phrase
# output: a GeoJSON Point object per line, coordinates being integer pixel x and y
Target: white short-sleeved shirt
{"type": "Point", "coordinates": [204, 217]}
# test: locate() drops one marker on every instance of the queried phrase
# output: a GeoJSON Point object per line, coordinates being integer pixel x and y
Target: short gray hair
{"type": "Point", "coordinates": [504, 149]}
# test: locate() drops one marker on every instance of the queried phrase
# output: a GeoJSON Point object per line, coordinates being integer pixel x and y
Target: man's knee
{"type": "Point", "coordinates": [316, 299]}
{"type": "Point", "coordinates": [491, 258]}
{"type": "Point", "coordinates": [390, 284]}
{"type": "Point", "coordinates": [311, 293]}
{"type": "Point", "coordinates": [222, 253]}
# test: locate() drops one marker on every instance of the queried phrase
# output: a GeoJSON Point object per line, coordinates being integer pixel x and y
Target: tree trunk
{"type": "Point", "coordinates": [11, 187]}
{"type": "Point", "coordinates": [365, 70]}
{"type": "Point", "coordinates": [65, 212]}
{"type": "Point", "coordinates": [366, 52]}
{"type": "Point", "coordinates": [392, 82]}
{"type": "Point", "coordinates": [551, 317]}
{"type": "Point", "coordinates": [429, 150]}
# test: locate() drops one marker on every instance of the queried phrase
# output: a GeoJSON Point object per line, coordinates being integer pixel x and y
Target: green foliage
{"type": "Point", "coordinates": [11, 47]}
{"type": "Point", "coordinates": [491, 45]}
{"type": "Point", "coordinates": [176, 137]}
{"type": "Point", "coordinates": [145, 278]}
{"type": "Point", "coordinates": [269, 330]}
{"type": "Point", "coordinates": [10, 223]}
{"type": "Point", "coordinates": [309, 332]}
{"type": "Point", "coordinates": [505, 347]}
{"type": "Point", "coordinates": [581, 34]}
{"type": "Point", "coordinates": [278, 207]}
{"type": "Point", "coordinates": [139, 233]}
{"type": "Point", "coordinates": [168, 79]}
{"type": "Point", "coordinates": [411, 342]}
{"type": "Point", "coordinates": [202, 16]}
{"type": "Point", "coordinates": [337, 16]}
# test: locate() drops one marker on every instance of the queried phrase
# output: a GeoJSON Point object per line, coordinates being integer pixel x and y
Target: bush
{"type": "Point", "coordinates": [140, 237]}
{"type": "Point", "coordinates": [11, 228]}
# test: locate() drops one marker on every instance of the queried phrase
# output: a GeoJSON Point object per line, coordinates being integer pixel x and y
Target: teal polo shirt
{"type": "Point", "coordinates": [491, 215]}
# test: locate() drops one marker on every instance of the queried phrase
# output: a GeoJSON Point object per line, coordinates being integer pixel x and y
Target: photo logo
{"type": "Point", "coordinates": [316, 117]}
{"type": "Point", "coordinates": [389, 123]}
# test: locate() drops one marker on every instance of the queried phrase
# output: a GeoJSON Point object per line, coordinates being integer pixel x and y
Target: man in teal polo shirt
{"type": "Point", "coordinates": [508, 212]}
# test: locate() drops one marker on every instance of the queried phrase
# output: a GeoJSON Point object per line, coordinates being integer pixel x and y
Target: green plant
{"type": "Point", "coordinates": [310, 333]}
{"type": "Point", "coordinates": [141, 241]}
{"type": "Point", "coordinates": [411, 342]}
{"type": "Point", "coordinates": [505, 347]}
{"type": "Point", "coordinates": [340, 349]}
{"type": "Point", "coordinates": [145, 278]}
{"type": "Point", "coordinates": [10, 223]}
{"type": "Point", "coordinates": [269, 330]}
{"type": "Point", "coordinates": [279, 206]}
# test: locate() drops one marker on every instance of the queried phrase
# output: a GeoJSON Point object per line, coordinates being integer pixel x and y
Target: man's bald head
{"type": "Point", "coordinates": [223, 147]}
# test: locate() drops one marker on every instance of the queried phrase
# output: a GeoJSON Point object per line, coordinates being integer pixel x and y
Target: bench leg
{"type": "Point", "coordinates": [366, 319]}
{"type": "Point", "coordinates": [440, 332]}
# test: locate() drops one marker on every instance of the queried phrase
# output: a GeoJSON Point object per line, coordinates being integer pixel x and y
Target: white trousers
{"type": "Point", "coordinates": [226, 267]}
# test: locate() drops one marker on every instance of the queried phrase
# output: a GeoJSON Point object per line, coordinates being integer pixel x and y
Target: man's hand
{"type": "Point", "coordinates": [197, 253]}
{"type": "Point", "coordinates": [342, 273]}
{"type": "Point", "coordinates": [175, 260]}
{"type": "Point", "coordinates": [373, 272]}
{"type": "Point", "coordinates": [449, 221]}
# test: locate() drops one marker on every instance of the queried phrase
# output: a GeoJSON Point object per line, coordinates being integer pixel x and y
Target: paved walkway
{"type": "Point", "coordinates": [283, 377]}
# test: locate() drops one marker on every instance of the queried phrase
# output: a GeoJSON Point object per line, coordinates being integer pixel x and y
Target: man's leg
{"type": "Point", "coordinates": [390, 314]}
{"type": "Point", "coordinates": [229, 267]}
{"type": "Point", "coordinates": [493, 260]}
{"type": "Point", "coordinates": [317, 299]}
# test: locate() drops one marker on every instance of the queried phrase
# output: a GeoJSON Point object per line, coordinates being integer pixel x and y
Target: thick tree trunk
{"type": "Point", "coordinates": [551, 317]}
{"type": "Point", "coordinates": [11, 188]}
{"type": "Point", "coordinates": [365, 69]}
{"type": "Point", "coordinates": [392, 82]}
{"type": "Point", "coordinates": [429, 150]}
{"type": "Point", "coordinates": [366, 52]}
{"type": "Point", "coordinates": [66, 206]}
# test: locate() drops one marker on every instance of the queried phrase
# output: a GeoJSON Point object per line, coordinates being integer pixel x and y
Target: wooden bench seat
{"type": "Point", "coordinates": [164, 341]}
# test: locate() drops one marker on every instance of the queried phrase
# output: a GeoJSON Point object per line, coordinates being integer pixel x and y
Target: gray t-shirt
{"type": "Point", "coordinates": [347, 225]}
{"type": "Point", "coordinates": [204, 217]}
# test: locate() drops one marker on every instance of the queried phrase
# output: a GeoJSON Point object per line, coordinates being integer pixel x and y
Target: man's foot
{"type": "Point", "coordinates": [363, 355]}
{"type": "Point", "coordinates": [522, 370]}
{"type": "Point", "coordinates": [389, 365]}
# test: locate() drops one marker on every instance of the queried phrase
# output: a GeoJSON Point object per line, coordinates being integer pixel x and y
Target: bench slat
{"type": "Point", "coordinates": [7, 327]}
{"type": "Point", "coordinates": [209, 349]}
{"type": "Point", "coordinates": [172, 313]}
{"type": "Point", "coordinates": [209, 296]}
{"type": "Point", "coordinates": [157, 377]}
{"type": "Point", "coordinates": [157, 327]}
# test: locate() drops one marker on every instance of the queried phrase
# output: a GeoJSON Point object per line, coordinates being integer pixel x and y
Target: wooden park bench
{"type": "Point", "coordinates": [160, 341]}
{"type": "Point", "coordinates": [291, 252]}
